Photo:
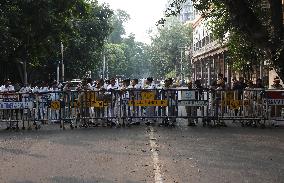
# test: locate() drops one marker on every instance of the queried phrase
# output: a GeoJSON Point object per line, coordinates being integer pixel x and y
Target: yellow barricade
{"type": "Point", "coordinates": [145, 103]}
{"type": "Point", "coordinates": [148, 95]}
{"type": "Point", "coordinates": [55, 105]}
{"type": "Point", "coordinates": [235, 104]}
{"type": "Point", "coordinates": [99, 104]}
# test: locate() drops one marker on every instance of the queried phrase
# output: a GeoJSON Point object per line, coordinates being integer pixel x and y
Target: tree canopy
{"type": "Point", "coordinates": [32, 31]}
{"type": "Point", "coordinates": [166, 47]}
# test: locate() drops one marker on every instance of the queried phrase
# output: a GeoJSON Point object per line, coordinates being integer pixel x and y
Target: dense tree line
{"type": "Point", "coordinates": [31, 32]}
{"type": "Point", "coordinates": [160, 58]}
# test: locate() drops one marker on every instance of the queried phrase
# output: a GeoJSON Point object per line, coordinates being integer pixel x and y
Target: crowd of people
{"type": "Point", "coordinates": [150, 83]}
{"type": "Point", "coordinates": [54, 88]}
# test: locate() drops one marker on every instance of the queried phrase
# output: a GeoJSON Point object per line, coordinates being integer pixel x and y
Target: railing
{"type": "Point", "coordinates": [255, 107]}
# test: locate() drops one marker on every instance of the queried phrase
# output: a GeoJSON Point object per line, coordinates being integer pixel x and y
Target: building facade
{"type": "Point", "coordinates": [188, 12]}
{"type": "Point", "coordinates": [209, 58]}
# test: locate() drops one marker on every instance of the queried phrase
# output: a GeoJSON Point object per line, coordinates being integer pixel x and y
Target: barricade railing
{"type": "Point", "coordinates": [244, 106]}
{"type": "Point", "coordinates": [275, 105]}
{"type": "Point", "coordinates": [132, 106]}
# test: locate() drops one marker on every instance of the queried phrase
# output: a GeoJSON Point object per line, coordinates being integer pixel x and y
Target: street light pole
{"type": "Point", "coordinates": [104, 65]}
{"type": "Point", "coordinates": [181, 63]}
{"type": "Point", "coordinates": [57, 72]}
{"type": "Point", "coordinates": [62, 63]}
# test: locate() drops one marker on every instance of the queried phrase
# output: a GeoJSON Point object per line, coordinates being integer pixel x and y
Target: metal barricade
{"type": "Point", "coordinates": [165, 106]}
{"type": "Point", "coordinates": [251, 107]}
{"type": "Point", "coordinates": [275, 106]}
{"type": "Point", "coordinates": [90, 108]}
{"type": "Point", "coordinates": [16, 109]}
{"type": "Point", "coordinates": [243, 106]}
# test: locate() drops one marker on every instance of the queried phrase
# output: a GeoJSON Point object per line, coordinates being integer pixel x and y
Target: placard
{"type": "Point", "coordinates": [193, 103]}
{"type": "Point", "coordinates": [16, 105]}
{"type": "Point", "coordinates": [188, 95]}
{"type": "Point", "coordinates": [145, 103]}
{"type": "Point", "coordinates": [148, 95]}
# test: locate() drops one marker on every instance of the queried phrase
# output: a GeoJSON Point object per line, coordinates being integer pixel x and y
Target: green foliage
{"type": "Point", "coordinates": [121, 17]}
{"type": "Point", "coordinates": [167, 45]}
{"type": "Point", "coordinates": [32, 30]}
{"type": "Point", "coordinates": [84, 50]}
{"type": "Point", "coordinates": [125, 56]}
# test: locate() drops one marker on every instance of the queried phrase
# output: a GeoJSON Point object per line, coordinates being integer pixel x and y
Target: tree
{"type": "Point", "coordinates": [118, 20]}
{"type": "Point", "coordinates": [84, 51]}
{"type": "Point", "coordinates": [124, 55]}
{"type": "Point", "coordinates": [33, 31]}
{"type": "Point", "coordinates": [167, 45]}
{"type": "Point", "coordinates": [258, 23]}
{"type": "Point", "coordinates": [136, 58]}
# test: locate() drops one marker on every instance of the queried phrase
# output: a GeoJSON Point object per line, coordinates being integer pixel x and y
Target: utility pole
{"type": "Point", "coordinates": [104, 66]}
{"type": "Point", "coordinates": [57, 72]}
{"type": "Point", "coordinates": [62, 63]}
{"type": "Point", "coordinates": [181, 61]}
{"type": "Point", "coordinates": [25, 72]}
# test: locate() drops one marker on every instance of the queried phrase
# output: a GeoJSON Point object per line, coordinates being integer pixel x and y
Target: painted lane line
{"type": "Point", "coordinates": [155, 157]}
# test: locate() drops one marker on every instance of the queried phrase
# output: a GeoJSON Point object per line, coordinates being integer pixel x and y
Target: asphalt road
{"type": "Point", "coordinates": [142, 154]}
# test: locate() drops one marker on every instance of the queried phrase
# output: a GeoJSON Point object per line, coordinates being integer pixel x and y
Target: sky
{"type": "Point", "coordinates": [144, 15]}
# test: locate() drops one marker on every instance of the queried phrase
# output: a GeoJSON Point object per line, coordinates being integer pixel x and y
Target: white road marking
{"type": "Point", "coordinates": [155, 157]}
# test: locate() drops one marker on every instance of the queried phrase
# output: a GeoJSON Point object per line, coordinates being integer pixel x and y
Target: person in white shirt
{"type": "Point", "coordinates": [8, 88]}
{"type": "Point", "coordinates": [134, 94]}
{"type": "Point", "coordinates": [41, 99]}
{"type": "Point", "coordinates": [112, 98]}
{"type": "Point", "coordinates": [125, 97]}
{"type": "Point", "coordinates": [26, 95]}
{"type": "Point", "coordinates": [134, 84]}
{"type": "Point", "coordinates": [25, 91]}
{"type": "Point", "coordinates": [149, 84]}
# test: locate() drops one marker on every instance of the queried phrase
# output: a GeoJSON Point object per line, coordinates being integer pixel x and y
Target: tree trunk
{"type": "Point", "coordinates": [278, 63]}
{"type": "Point", "coordinates": [21, 73]}
{"type": "Point", "coordinates": [25, 72]}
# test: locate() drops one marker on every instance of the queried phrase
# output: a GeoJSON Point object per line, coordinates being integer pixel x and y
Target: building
{"type": "Point", "coordinates": [209, 58]}
{"type": "Point", "coordinates": [188, 12]}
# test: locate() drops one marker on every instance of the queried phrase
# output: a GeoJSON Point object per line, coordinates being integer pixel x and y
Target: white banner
{"type": "Point", "coordinates": [16, 105]}
{"type": "Point", "coordinates": [274, 101]}
{"type": "Point", "coordinates": [193, 103]}
{"type": "Point", "coordinates": [187, 95]}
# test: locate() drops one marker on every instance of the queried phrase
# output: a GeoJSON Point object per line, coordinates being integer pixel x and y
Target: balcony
{"type": "Point", "coordinates": [207, 48]}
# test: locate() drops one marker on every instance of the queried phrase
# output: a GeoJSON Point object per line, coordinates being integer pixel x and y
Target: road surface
{"type": "Point", "coordinates": [142, 154]}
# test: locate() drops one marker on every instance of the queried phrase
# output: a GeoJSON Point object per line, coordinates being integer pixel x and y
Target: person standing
{"type": "Point", "coordinates": [171, 96]}
{"type": "Point", "coordinates": [276, 83]}
{"type": "Point", "coordinates": [112, 98]}
{"type": "Point", "coordinates": [191, 110]}
{"type": "Point", "coordinates": [150, 110]}
{"type": "Point", "coordinates": [7, 89]}
{"type": "Point", "coordinates": [276, 110]}
{"type": "Point", "coordinates": [26, 96]}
